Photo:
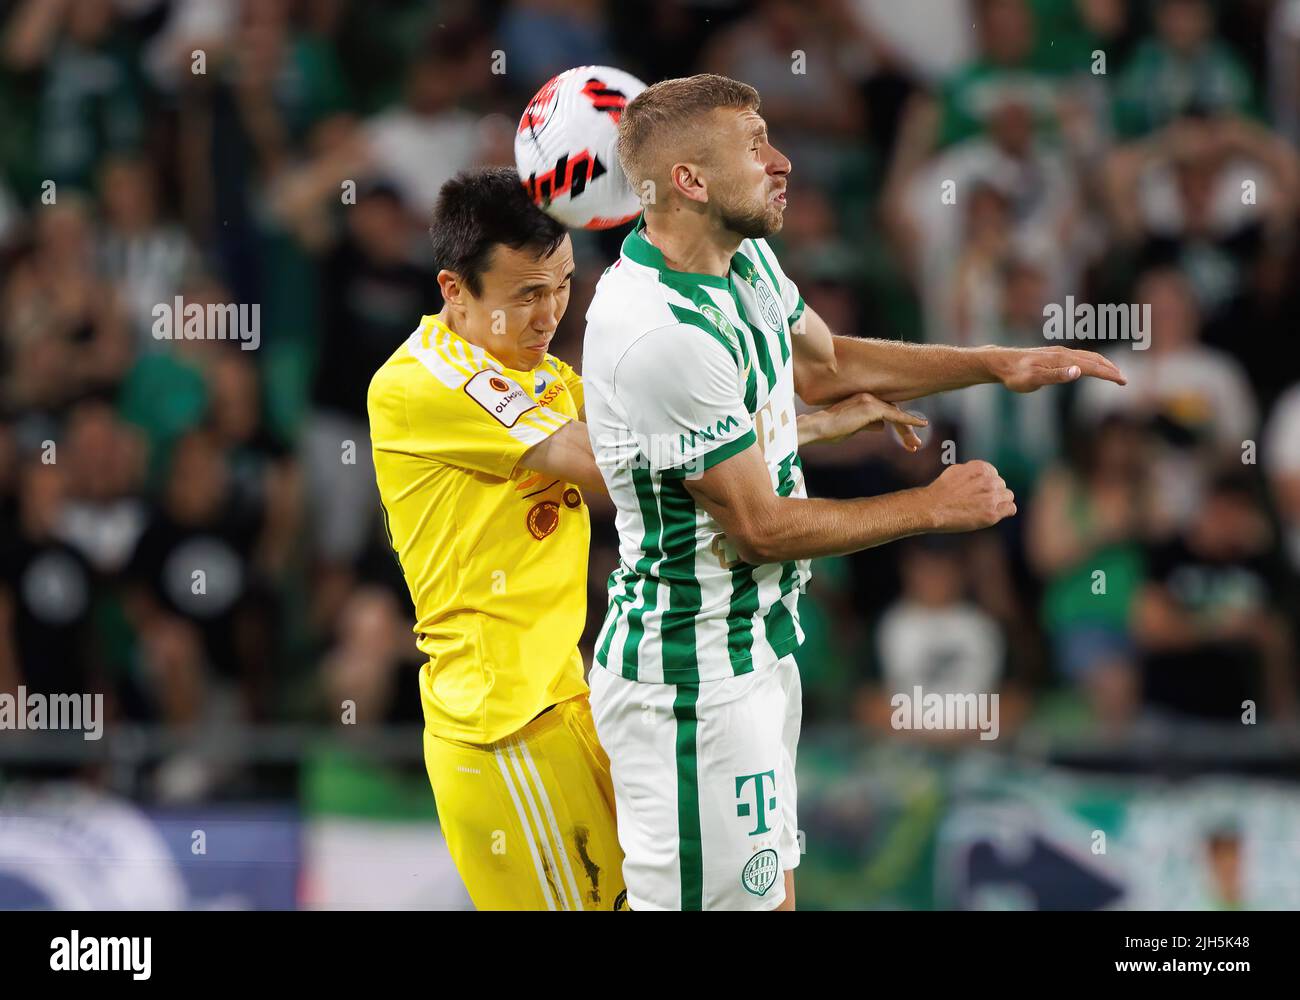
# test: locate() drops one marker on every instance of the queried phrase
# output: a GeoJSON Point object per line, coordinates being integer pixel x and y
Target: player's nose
{"type": "Point", "coordinates": [779, 164]}
{"type": "Point", "coordinates": [548, 319]}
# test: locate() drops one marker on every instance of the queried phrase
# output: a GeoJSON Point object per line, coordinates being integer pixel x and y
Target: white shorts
{"type": "Point", "coordinates": [704, 786]}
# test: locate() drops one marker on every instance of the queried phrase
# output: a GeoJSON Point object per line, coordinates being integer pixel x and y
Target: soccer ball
{"type": "Point", "coordinates": [566, 147]}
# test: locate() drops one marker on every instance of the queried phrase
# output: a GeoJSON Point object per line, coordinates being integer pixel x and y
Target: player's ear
{"type": "Point", "coordinates": [452, 288]}
{"type": "Point", "coordinates": [688, 182]}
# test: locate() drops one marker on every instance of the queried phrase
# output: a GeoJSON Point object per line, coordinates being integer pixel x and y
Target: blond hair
{"type": "Point", "coordinates": [669, 108]}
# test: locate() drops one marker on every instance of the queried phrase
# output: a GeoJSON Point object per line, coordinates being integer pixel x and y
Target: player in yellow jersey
{"type": "Point", "coordinates": [495, 554]}
{"type": "Point", "coordinates": [482, 463]}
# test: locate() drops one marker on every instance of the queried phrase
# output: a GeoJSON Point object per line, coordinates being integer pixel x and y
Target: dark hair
{"type": "Point", "coordinates": [478, 210]}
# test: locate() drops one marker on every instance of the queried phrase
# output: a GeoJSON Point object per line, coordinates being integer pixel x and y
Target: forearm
{"type": "Point", "coordinates": [797, 528]}
{"type": "Point", "coordinates": [567, 455]}
{"type": "Point", "coordinates": [896, 371]}
{"type": "Point", "coordinates": [813, 427]}
{"type": "Point", "coordinates": [763, 527]}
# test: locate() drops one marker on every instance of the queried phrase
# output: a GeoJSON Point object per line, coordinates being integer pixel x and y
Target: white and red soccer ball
{"type": "Point", "coordinates": [566, 147]}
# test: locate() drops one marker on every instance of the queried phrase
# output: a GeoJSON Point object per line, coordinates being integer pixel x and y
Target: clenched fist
{"type": "Point", "coordinates": [968, 497]}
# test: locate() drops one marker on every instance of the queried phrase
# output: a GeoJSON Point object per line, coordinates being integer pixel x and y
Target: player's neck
{"type": "Point", "coordinates": [458, 323]}
{"type": "Point", "coordinates": [693, 243]}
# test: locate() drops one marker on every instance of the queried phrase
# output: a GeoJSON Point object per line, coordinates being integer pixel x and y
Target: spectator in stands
{"type": "Point", "coordinates": [1019, 434]}
{"type": "Point", "coordinates": [1088, 523]}
{"type": "Point", "coordinates": [63, 325]}
{"type": "Point", "coordinates": [432, 136]}
{"type": "Point", "coordinates": [265, 481]}
{"type": "Point", "coordinates": [47, 593]}
{"type": "Point", "coordinates": [373, 657]}
{"type": "Point", "coordinates": [1214, 622]}
{"type": "Point", "coordinates": [1197, 397]}
{"type": "Point", "coordinates": [146, 258]}
{"type": "Point", "coordinates": [196, 600]}
{"type": "Point", "coordinates": [935, 217]}
{"type": "Point", "coordinates": [787, 51]}
{"type": "Point", "coordinates": [1204, 194]}
{"type": "Point", "coordinates": [1183, 69]}
{"type": "Point", "coordinates": [934, 637]}
{"type": "Point", "coordinates": [1005, 65]}
{"type": "Point", "coordinates": [102, 515]}
{"type": "Point", "coordinates": [90, 90]}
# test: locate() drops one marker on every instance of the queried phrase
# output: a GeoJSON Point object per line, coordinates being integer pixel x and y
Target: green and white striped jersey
{"type": "Point", "coordinates": [680, 372]}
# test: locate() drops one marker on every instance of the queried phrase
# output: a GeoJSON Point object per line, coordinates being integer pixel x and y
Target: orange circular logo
{"type": "Point", "coordinates": [499, 384]}
{"type": "Point", "coordinates": [572, 498]}
{"type": "Point", "coordinates": [543, 518]}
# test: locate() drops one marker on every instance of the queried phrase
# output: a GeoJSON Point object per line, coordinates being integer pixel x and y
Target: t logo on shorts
{"type": "Point", "coordinates": [760, 802]}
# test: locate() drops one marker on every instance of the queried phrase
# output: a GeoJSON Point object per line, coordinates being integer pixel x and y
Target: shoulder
{"type": "Point", "coordinates": [388, 382]}
{"type": "Point", "coordinates": [563, 369]}
{"type": "Point", "coordinates": [629, 304]}
{"type": "Point", "coordinates": [676, 358]}
{"type": "Point", "coordinates": [629, 300]}
{"type": "Point", "coordinates": [429, 369]}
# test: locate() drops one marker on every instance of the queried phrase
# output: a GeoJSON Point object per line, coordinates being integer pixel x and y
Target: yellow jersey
{"type": "Point", "coordinates": [495, 556]}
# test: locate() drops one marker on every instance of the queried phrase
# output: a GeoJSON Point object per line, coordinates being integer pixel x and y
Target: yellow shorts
{"type": "Point", "coordinates": [529, 820]}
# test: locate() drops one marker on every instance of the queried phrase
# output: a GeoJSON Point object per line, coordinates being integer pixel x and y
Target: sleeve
{"type": "Point", "coordinates": [680, 392]}
{"type": "Point", "coordinates": [485, 425]}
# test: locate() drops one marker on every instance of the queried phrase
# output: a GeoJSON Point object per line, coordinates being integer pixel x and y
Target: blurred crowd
{"type": "Point", "coordinates": [958, 166]}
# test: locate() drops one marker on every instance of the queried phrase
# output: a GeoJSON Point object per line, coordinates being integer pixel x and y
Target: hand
{"type": "Point", "coordinates": [861, 411]}
{"type": "Point", "coordinates": [968, 497]}
{"type": "Point", "coordinates": [1024, 370]}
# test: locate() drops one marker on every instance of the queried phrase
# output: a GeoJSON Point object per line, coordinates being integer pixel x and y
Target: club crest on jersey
{"type": "Point", "coordinates": [543, 518]}
{"type": "Point", "coordinates": [767, 305]}
{"type": "Point", "coordinates": [716, 317]}
{"type": "Point", "coordinates": [759, 873]}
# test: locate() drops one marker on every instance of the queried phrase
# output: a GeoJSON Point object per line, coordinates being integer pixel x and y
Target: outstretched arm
{"type": "Point", "coordinates": [567, 453]}
{"type": "Point", "coordinates": [828, 368]}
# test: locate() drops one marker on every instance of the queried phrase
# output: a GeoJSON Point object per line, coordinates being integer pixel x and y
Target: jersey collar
{"type": "Point", "coordinates": [491, 358]}
{"type": "Point", "coordinates": [639, 250]}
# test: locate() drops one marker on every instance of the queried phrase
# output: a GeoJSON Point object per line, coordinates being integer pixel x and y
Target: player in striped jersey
{"type": "Point", "coordinates": [696, 346]}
